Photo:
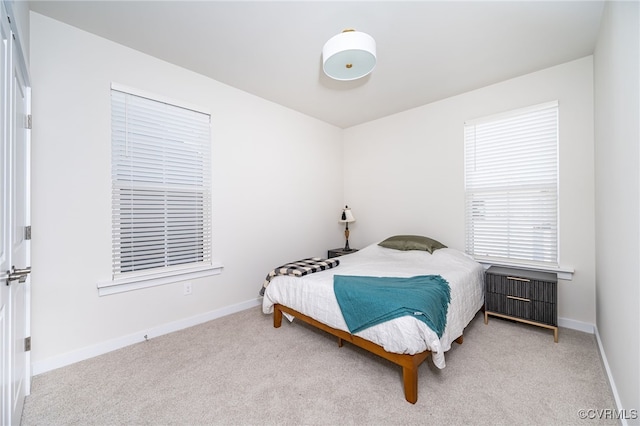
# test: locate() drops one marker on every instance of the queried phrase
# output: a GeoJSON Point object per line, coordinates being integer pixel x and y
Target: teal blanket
{"type": "Point", "coordinates": [367, 301]}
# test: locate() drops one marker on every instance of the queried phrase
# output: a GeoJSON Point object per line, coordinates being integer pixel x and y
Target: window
{"type": "Point", "coordinates": [161, 188]}
{"type": "Point", "coordinates": [511, 187]}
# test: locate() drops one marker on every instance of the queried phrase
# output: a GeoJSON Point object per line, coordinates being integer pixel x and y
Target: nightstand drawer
{"type": "Point", "coordinates": [523, 308]}
{"type": "Point", "coordinates": [520, 286]}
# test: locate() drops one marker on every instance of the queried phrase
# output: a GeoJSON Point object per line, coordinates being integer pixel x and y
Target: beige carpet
{"type": "Point", "coordinates": [239, 370]}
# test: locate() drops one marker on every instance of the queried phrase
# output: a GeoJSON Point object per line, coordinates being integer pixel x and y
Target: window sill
{"type": "Point", "coordinates": [562, 272]}
{"type": "Point", "coordinates": [122, 285]}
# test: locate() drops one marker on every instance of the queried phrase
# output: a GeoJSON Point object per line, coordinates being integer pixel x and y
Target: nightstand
{"type": "Point", "coordinates": [339, 252]}
{"type": "Point", "coordinates": [526, 296]}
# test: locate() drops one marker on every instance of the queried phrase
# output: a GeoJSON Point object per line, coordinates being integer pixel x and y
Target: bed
{"type": "Point", "coordinates": [405, 340]}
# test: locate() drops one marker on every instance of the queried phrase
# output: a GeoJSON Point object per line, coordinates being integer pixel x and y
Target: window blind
{"type": "Point", "coordinates": [511, 187]}
{"type": "Point", "coordinates": [161, 180]}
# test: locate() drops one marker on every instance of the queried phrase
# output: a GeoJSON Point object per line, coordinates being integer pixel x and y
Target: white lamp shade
{"type": "Point", "coordinates": [348, 216]}
{"type": "Point", "coordinates": [349, 55]}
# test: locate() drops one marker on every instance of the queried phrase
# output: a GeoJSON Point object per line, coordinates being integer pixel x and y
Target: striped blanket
{"type": "Point", "coordinates": [300, 268]}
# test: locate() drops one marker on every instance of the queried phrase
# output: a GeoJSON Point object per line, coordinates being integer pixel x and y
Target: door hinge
{"type": "Point", "coordinates": [27, 232]}
{"type": "Point", "coordinates": [27, 344]}
{"type": "Point", "coordinates": [28, 123]}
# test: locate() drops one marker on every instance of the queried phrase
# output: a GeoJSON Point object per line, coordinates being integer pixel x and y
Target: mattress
{"type": "Point", "coordinates": [313, 295]}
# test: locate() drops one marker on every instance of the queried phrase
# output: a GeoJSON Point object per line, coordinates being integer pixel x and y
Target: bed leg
{"type": "Point", "coordinates": [459, 340]}
{"type": "Point", "coordinates": [410, 378]}
{"type": "Point", "coordinates": [277, 317]}
{"type": "Point", "coordinates": [339, 342]}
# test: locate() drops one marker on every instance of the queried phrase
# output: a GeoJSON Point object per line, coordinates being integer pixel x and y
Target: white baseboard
{"type": "Point", "coordinates": [114, 344]}
{"type": "Point", "coordinates": [576, 325]}
{"type": "Point", "coordinates": [593, 329]}
{"type": "Point", "coordinates": [612, 383]}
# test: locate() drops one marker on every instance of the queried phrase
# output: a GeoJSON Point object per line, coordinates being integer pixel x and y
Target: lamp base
{"type": "Point", "coordinates": [346, 237]}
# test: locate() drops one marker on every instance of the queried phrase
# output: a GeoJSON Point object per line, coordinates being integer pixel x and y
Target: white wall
{"type": "Point", "coordinates": [404, 173]}
{"type": "Point", "coordinates": [277, 192]}
{"type": "Point", "coordinates": [617, 165]}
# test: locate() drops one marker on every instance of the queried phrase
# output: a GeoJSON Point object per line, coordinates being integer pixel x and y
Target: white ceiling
{"type": "Point", "coordinates": [427, 50]}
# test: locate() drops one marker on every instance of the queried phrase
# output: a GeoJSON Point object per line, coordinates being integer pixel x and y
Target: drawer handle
{"type": "Point", "coordinates": [518, 279]}
{"type": "Point", "coordinates": [519, 298]}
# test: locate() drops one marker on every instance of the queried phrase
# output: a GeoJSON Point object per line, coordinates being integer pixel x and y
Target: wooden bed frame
{"type": "Point", "coordinates": [409, 363]}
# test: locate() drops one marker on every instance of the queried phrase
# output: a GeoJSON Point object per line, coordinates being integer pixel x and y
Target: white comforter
{"type": "Point", "coordinates": [313, 296]}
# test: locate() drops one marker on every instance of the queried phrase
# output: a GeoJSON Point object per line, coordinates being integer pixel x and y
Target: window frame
{"type": "Point", "coordinates": [492, 257]}
{"type": "Point", "coordinates": [143, 278]}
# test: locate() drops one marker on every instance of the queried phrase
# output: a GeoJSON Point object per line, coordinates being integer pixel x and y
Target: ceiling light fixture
{"type": "Point", "coordinates": [349, 55]}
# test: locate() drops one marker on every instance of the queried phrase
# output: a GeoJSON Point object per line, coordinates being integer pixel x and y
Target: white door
{"type": "Point", "coordinates": [15, 253]}
{"type": "Point", "coordinates": [21, 244]}
{"type": "Point", "coordinates": [5, 241]}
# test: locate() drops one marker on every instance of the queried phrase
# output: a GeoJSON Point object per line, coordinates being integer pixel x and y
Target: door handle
{"type": "Point", "coordinates": [18, 274]}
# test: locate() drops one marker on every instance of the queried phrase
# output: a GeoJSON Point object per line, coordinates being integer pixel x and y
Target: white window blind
{"type": "Point", "coordinates": [161, 186]}
{"type": "Point", "coordinates": [511, 187]}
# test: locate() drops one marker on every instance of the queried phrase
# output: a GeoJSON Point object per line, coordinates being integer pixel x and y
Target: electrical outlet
{"type": "Point", "coordinates": [187, 289]}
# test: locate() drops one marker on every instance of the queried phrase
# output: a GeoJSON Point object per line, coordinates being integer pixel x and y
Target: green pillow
{"type": "Point", "coordinates": [412, 242]}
